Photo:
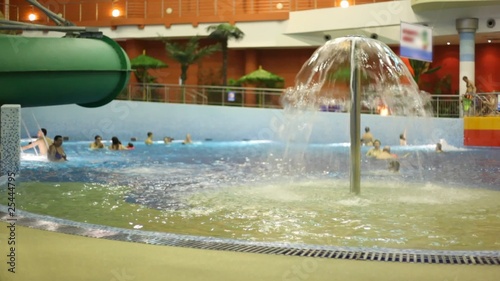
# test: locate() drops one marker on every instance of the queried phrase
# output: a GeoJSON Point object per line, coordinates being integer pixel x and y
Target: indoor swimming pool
{"type": "Point", "coordinates": [266, 191]}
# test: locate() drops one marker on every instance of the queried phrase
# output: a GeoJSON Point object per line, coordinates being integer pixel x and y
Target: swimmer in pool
{"type": "Point", "coordinates": [56, 151]}
{"type": "Point", "coordinates": [43, 142]}
{"type": "Point", "coordinates": [97, 144]}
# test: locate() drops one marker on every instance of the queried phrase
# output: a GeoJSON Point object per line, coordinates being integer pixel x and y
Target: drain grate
{"type": "Point", "coordinates": [353, 255]}
{"type": "Point", "coordinates": [348, 255]}
{"type": "Point", "coordinates": [69, 227]}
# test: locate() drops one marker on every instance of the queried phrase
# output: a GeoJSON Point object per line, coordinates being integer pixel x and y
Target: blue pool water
{"type": "Point", "coordinates": [213, 164]}
{"type": "Point", "coordinates": [267, 191]}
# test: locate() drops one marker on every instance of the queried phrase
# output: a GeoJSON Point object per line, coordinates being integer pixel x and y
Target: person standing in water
{"type": "Point", "coordinates": [402, 139]}
{"type": "Point", "coordinates": [367, 138]}
{"type": "Point", "coordinates": [56, 151]}
{"type": "Point", "coordinates": [187, 140]}
{"type": "Point", "coordinates": [149, 140]}
{"type": "Point", "coordinates": [375, 150]}
{"type": "Point", "coordinates": [97, 144]}
{"type": "Point", "coordinates": [439, 147]}
{"type": "Point", "coordinates": [43, 142]}
{"type": "Point", "coordinates": [116, 144]}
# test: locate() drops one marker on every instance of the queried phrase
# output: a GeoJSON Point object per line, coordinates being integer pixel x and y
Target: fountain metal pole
{"type": "Point", "coordinates": [355, 170]}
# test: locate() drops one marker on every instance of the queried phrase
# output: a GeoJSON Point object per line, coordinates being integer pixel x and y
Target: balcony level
{"type": "Point", "coordinates": [117, 13]}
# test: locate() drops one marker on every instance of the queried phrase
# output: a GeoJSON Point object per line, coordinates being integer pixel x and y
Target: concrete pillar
{"type": "Point", "coordinates": [466, 28]}
{"type": "Point", "coordinates": [10, 139]}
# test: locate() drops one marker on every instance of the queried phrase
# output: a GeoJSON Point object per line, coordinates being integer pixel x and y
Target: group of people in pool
{"type": "Point", "coordinates": [47, 147]}
{"type": "Point", "coordinates": [54, 150]}
{"type": "Point", "coordinates": [166, 140]}
{"type": "Point", "coordinates": [382, 154]}
{"type": "Point", "coordinates": [376, 152]}
{"type": "Point", "coordinates": [116, 144]}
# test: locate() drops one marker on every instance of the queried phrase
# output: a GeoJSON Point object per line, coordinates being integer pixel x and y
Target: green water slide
{"type": "Point", "coordinates": [41, 71]}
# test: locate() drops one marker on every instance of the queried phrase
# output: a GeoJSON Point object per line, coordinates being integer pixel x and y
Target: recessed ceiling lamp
{"type": "Point", "coordinates": [447, 43]}
{"type": "Point", "coordinates": [489, 40]}
{"type": "Point", "coordinates": [115, 13]}
{"type": "Point", "coordinates": [344, 3]}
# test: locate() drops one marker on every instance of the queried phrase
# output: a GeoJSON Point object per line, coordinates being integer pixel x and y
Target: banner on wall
{"type": "Point", "coordinates": [416, 42]}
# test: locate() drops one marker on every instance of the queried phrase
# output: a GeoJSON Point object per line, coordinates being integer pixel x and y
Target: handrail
{"type": "Point", "coordinates": [98, 13]}
{"type": "Point", "coordinates": [443, 105]}
{"type": "Point", "coordinates": [486, 104]}
{"type": "Point", "coordinates": [195, 94]}
{"type": "Point", "coordinates": [210, 95]}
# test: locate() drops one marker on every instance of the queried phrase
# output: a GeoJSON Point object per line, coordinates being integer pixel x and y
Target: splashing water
{"type": "Point", "coordinates": [386, 82]}
{"type": "Point", "coordinates": [351, 74]}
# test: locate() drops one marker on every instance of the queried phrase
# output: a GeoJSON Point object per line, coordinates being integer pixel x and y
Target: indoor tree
{"type": "Point", "coordinates": [141, 64]}
{"type": "Point", "coordinates": [188, 53]}
{"type": "Point", "coordinates": [421, 67]}
{"type": "Point", "coordinates": [223, 33]}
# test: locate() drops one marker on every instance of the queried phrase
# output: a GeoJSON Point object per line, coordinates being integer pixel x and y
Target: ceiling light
{"type": "Point", "coordinates": [344, 3]}
{"type": "Point", "coordinates": [32, 17]}
{"type": "Point", "coordinates": [279, 6]}
{"type": "Point", "coordinates": [115, 13]}
{"type": "Point", "coordinates": [489, 40]}
{"type": "Point", "coordinates": [447, 43]}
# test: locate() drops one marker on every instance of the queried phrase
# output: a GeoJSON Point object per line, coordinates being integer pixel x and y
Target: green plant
{"type": "Point", "coordinates": [188, 54]}
{"type": "Point", "coordinates": [234, 82]}
{"type": "Point", "coordinates": [443, 85]}
{"type": "Point", "coordinates": [420, 68]}
{"type": "Point", "coordinates": [141, 64]}
{"type": "Point", "coordinates": [143, 76]}
{"type": "Point", "coordinates": [223, 33]}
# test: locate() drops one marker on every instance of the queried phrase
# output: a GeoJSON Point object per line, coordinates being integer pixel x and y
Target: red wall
{"type": "Point", "coordinates": [288, 62]}
{"type": "Point", "coordinates": [487, 71]}
{"type": "Point", "coordinates": [285, 63]}
{"type": "Point", "coordinates": [448, 57]}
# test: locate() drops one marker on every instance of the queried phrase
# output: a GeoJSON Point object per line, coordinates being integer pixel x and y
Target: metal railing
{"type": "Point", "coordinates": [204, 95]}
{"type": "Point", "coordinates": [299, 5]}
{"type": "Point", "coordinates": [97, 12]}
{"type": "Point", "coordinates": [446, 106]}
{"type": "Point", "coordinates": [485, 104]}
{"type": "Point", "coordinates": [442, 105]}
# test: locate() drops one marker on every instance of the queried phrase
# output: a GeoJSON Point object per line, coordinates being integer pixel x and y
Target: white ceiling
{"type": "Point", "coordinates": [390, 35]}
